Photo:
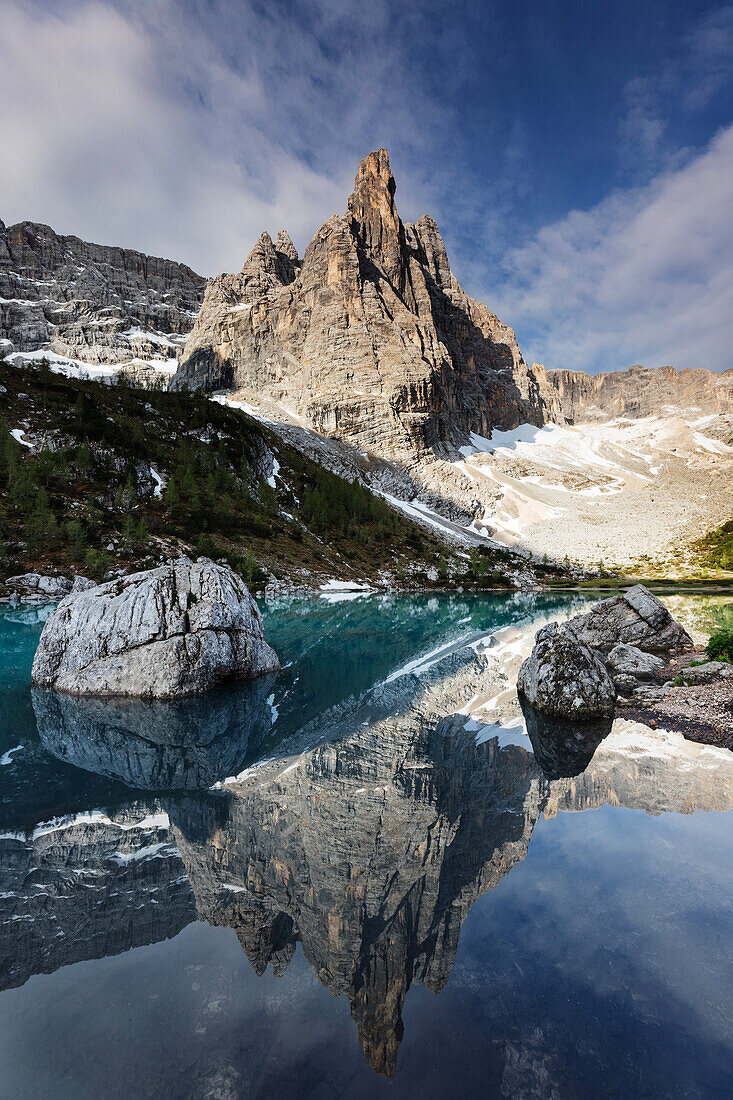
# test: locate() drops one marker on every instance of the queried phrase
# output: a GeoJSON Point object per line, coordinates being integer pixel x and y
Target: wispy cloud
{"type": "Point", "coordinates": [646, 276]}
{"type": "Point", "coordinates": [709, 49]}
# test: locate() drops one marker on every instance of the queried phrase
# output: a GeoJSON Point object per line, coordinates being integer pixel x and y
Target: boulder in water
{"type": "Point", "coordinates": [176, 630]}
{"type": "Point", "coordinates": [563, 678]}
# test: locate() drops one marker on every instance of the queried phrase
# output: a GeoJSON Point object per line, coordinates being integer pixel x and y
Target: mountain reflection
{"type": "Point", "coordinates": [367, 836]}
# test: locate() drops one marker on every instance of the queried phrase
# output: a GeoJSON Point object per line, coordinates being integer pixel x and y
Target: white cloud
{"type": "Point", "coordinates": [646, 276]}
{"type": "Point", "coordinates": [185, 131]}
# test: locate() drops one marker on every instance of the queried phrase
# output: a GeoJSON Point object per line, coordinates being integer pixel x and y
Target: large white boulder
{"type": "Point", "coordinates": [176, 630]}
{"type": "Point", "coordinates": [563, 678]}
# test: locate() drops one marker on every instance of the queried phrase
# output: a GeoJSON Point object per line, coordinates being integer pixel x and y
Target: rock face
{"type": "Point", "coordinates": [92, 303]}
{"type": "Point", "coordinates": [640, 392]}
{"type": "Point", "coordinates": [176, 630]}
{"type": "Point", "coordinates": [85, 887]}
{"type": "Point", "coordinates": [370, 337]}
{"type": "Point", "coordinates": [563, 678]}
{"type": "Point", "coordinates": [637, 618]}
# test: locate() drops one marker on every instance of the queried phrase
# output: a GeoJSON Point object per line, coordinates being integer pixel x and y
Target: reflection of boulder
{"type": "Point", "coordinates": [563, 748]}
{"type": "Point", "coordinates": [156, 744]}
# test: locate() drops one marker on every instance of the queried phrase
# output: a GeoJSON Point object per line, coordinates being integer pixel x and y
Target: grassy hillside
{"type": "Point", "coordinates": [715, 551]}
{"type": "Point", "coordinates": [118, 477]}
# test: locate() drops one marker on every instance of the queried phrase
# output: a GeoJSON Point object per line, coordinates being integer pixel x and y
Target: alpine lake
{"type": "Point", "coordinates": [360, 877]}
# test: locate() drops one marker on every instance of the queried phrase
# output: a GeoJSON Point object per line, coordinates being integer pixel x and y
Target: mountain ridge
{"type": "Point", "coordinates": [97, 304]}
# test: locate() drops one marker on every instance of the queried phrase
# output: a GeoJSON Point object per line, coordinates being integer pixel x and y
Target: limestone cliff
{"type": "Point", "coordinates": [92, 303]}
{"type": "Point", "coordinates": [370, 337]}
{"type": "Point", "coordinates": [640, 392]}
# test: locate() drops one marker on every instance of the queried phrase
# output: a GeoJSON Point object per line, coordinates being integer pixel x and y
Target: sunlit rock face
{"type": "Point", "coordinates": [87, 886]}
{"type": "Point", "coordinates": [93, 303]}
{"type": "Point", "coordinates": [369, 337]}
{"type": "Point", "coordinates": [639, 392]}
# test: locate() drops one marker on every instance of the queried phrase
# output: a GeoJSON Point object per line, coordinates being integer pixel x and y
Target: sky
{"type": "Point", "coordinates": [577, 155]}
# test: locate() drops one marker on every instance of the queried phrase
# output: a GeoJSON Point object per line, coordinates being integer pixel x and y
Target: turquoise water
{"type": "Point", "coordinates": [355, 878]}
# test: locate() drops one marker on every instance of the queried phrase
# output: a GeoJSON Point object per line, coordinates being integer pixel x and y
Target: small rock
{"type": "Point", "coordinates": [707, 673]}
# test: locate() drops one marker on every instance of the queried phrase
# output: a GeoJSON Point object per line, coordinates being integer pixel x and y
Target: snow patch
{"type": "Point", "coordinates": [18, 434]}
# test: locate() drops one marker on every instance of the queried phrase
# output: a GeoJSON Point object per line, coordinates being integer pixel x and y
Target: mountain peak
{"type": "Point", "coordinates": [285, 245]}
{"type": "Point", "coordinates": [374, 218]}
{"type": "Point", "coordinates": [375, 167]}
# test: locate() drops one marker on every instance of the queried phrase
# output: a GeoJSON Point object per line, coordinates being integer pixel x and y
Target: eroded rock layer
{"type": "Point", "coordinates": [640, 392]}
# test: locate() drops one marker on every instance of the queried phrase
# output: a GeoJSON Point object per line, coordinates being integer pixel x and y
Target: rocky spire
{"type": "Point", "coordinates": [285, 245]}
{"type": "Point", "coordinates": [4, 253]}
{"type": "Point", "coordinates": [269, 265]}
{"type": "Point", "coordinates": [374, 218]}
{"type": "Point", "coordinates": [435, 256]}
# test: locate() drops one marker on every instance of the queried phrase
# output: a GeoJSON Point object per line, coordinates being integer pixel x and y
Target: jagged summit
{"type": "Point", "coordinates": [370, 338]}
{"type": "Point", "coordinates": [374, 218]}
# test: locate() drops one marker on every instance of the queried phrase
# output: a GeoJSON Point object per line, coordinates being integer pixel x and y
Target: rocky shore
{"type": "Point", "coordinates": [627, 657]}
{"type": "Point", "coordinates": [696, 699]}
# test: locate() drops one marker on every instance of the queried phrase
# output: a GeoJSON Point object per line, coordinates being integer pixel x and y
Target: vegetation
{"type": "Point", "coordinates": [716, 549]}
{"type": "Point", "coordinates": [720, 646]}
{"type": "Point", "coordinates": [125, 476]}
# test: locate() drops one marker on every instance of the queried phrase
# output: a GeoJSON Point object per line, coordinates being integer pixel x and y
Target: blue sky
{"type": "Point", "coordinates": [577, 156]}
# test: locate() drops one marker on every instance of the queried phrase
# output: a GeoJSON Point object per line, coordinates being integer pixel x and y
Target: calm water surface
{"type": "Point", "coordinates": [360, 877]}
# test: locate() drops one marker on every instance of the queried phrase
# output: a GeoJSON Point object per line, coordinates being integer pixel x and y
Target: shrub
{"type": "Point", "coordinates": [720, 646]}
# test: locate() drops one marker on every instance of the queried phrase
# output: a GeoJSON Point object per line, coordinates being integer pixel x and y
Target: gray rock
{"type": "Point", "coordinates": [707, 673]}
{"type": "Point", "coordinates": [628, 665]}
{"type": "Point", "coordinates": [636, 618]}
{"type": "Point", "coordinates": [81, 584]}
{"type": "Point", "coordinates": [179, 629]}
{"type": "Point", "coordinates": [38, 585]}
{"type": "Point", "coordinates": [563, 678]}
{"type": "Point", "coordinates": [93, 303]}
